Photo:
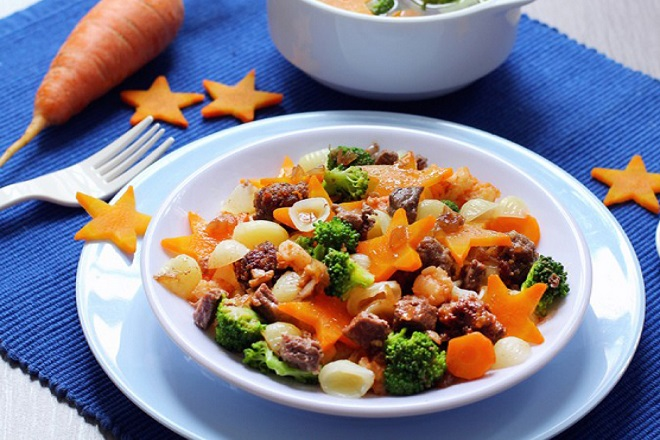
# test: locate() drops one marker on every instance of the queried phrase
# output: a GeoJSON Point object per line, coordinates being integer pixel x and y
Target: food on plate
{"type": "Point", "coordinates": [402, 8]}
{"type": "Point", "coordinates": [110, 43]}
{"type": "Point", "coordinates": [119, 223]}
{"type": "Point", "coordinates": [392, 285]}
{"type": "Point", "coordinates": [240, 100]}
{"type": "Point", "coordinates": [633, 183]}
{"type": "Point", "coordinates": [160, 102]}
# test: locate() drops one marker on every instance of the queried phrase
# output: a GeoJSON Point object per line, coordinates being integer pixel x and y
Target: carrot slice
{"type": "Point", "coordinates": [391, 177]}
{"type": "Point", "coordinates": [515, 311]}
{"type": "Point", "coordinates": [633, 183]}
{"type": "Point", "coordinates": [528, 226]}
{"type": "Point", "coordinates": [198, 245]}
{"type": "Point", "coordinates": [240, 100]}
{"type": "Point", "coordinates": [461, 241]}
{"type": "Point", "coordinates": [160, 102]}
{"type": "Point", "coordinates": [282, 215]}
{"type": "Point", "coordinates": [119, 223]}
{"type": "Point", "coordinates": [470, 356]}
{"type": "Point", "coordinates": [325, 314]}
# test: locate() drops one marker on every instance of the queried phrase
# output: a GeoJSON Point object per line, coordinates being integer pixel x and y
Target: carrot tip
{"type": "Point", "coordinates": [37, 124]}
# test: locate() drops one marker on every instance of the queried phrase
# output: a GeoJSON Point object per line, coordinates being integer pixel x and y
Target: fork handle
{"type": "Point", "coordinates": [15, 193]}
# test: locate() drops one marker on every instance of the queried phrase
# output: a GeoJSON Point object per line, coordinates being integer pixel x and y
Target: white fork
{"type": "Point", "coordinates": [100, 175]}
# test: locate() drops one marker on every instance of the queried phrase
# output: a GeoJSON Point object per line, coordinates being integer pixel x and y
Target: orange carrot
{"type": "Point", "coordinates": [110, 43]}
{"type": "Point", "coordinates": [470, 356]}
{"type": "Point", "coordinates": [527, 226]}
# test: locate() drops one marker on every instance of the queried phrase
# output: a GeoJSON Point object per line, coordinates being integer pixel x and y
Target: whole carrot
{"type": "Point", "coordinates": [110, 43]}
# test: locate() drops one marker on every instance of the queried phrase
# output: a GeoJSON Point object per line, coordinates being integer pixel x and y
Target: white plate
{"type": "Point", "coordinates": [206, 189]}
{"type": "Point", "coordinates": [141, 360]}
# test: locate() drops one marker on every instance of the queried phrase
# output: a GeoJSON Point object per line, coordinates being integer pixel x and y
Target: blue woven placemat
{"type": "Point", "coordinates": [554, 96]}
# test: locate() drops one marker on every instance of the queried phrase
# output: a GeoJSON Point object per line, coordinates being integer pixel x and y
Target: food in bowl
{"type": "Point", "coordinates": [368, 271]}
{"type": "Point", "coordinates": [402, 8]}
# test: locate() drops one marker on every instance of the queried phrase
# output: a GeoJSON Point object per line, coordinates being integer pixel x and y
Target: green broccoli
{"type": "Point", "coordinates": [346, 185]}
{"type": "Point", "coordinates": [452, 205]}
{"type": "Point", "coordinates": [412, 364]}
{"type": "Point", "coordinates": [334, 234]}
{"type": "Point", "coordinates": [262, 358]}
{"type": "Point", "coordinates": [547, 270]}
{"type": "Point", "coordinates": [238, 326]}
{"type": "Point", "coordinates": [343, 157]}
{"type": "Point", "coordinates": [345, 273]}
{"type": "Point", "coordinates": [436, 2]}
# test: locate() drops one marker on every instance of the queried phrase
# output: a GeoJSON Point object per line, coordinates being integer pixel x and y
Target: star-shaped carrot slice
{"type": "Point", "coordinates": [633, 183]}
{"type": "Point", "coordinates": [514, 311]}
{"type": "Point", "coordinates": [160, 102]}
{"type": "Point", "coordinates": [198, 245]}
{"type": "Point", "coordinates": [390, 177]}
{"type": "Point", "coordinates": [119, 223]}
{"type": "Point", "coordinates": [396, 249]}
{"type": "Point", "coordinates": [240, 100]}
{"type": "Point", "coordinates": [468, 236]}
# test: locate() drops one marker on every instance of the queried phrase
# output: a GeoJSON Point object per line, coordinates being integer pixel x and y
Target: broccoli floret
{"type": "Point", "coordinates": [380, 7]}
{"type": "Point", "coordinates": [262, 358]}
{"type": "Point", "coordinates": [334, 234]}
{"type": "Point", "coordinates": [552, 273]}
{"type": "Point", "coordinates": [344, 157]}
{"type": "Point", "coordinates": [346, 185]}
{"type": "Point", "coordinates": [412, 363]}
{"type": "Point", "coordinates": [452, 205]}
{"type": "Point", "coordinates": [345, 273]}
{"type": "Point", "coordinates": [238, 326]}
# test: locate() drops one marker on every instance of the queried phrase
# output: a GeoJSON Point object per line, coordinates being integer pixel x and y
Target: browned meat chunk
{"type": "Point", "coordinates": [361, 221]}
{"type": "Point", "coordinates": [406, 198]}
{"type": "Point", "coordinates": [368, 330]}
{"type": "Point", "coordinates": [450, 221]}
{"type": "Point", "coordinates": [422, 162]}
{"type": "Point", "coordinates": [415, 313]}
{"type": "Point", "coordinates": [468, 315]}
{"type": "Point", "coordinates": [260, 260]}
{"type": "Point", "coordinates": [205, 310]}
{"type": "Point", "coordinates": [264, 303]}
{"type": "Point", "coordinates": [278, 195]}
{"type": "Point", "coordinates": [301, 352]}
{"type": "Point", "coordinates": [434, 253]}
{"type": "Point", "coordinates": [473, 275]}
{"type": "Point", "coordinates": [386, 157]}
{"type": "Point", "coordinates": [516, 261]}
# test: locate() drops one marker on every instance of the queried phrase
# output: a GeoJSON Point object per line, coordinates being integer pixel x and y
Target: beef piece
{"type": "Point", "coordinates": [386, 157]}
{"type": "Point", "coordinates": [278, 195]}
{"type": "Point", "coordinates": [368, 330]}
{"type": "Point", "coordinates": [467, 315]}
{"type": "Point", "coordinates": [515, 262]}
{"type": "Point", "coordinates": [301, 352]}
{"type": "Point", "coordinates": [473, 275]}
{"type": "Point", "coordinates": [415, 313]}
{"type": "Point", "coordinates": [264, 303]}
{"type": "Point", "coordinates": [405, 279]}
{"type": "Point", "coordinates": [406, 198]}
{"type": "Point", "coordinates": [422, 162]}
{"type": "Point", "coordinates": [204, 312]}
{"type": "Point", "coordinates": [434, 253]}
{"type": "Point", "coordinates": [450, 221]}
{"type": "Point", "coordinates": [361, 221]}
{"type": "Point", "coordinates": [263, 258]}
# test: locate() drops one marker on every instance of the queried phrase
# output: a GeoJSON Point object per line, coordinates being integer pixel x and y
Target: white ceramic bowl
{"type": "Point", "coordinates": [394, 58]}
{"type": "Point", "coordinates": [205, 190]}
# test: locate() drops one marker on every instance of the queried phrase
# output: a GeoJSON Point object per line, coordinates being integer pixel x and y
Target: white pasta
{"type": "Point", "coordinates": [431, 207]}
{"type": "Point", "coordinates": [379, 298]}
{"type": "Point", "coordinates": [477, 208]}
{"type": "Point", "coordinates": [344, 378]}
{"type": "Point", "coordinates": [255, 232]}
{"type": "Point", "coordinates": [304, 213]}
{"type": "Point", "coordinates": [510, 351]}
{"type": "Point", "coordinates": [226, 252]}
{"type": "Point", "coordinates": [274, 332]}
{"type": "Point", "coordinates": [180, 275]}
{"type": "Point", "coordinates": [512, 206]}
{"type": "Point", "coordinates": [287, 287]}
{"type": "Point", "coordinates": [314, 159]}
{"type": "Point", "coordinates": [241, 199]}
{"type": "Point", "coordinates": [382, 222]}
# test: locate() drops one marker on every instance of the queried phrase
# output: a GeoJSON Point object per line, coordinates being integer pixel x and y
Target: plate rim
{"type": "Point", "coordinates": [324, 118]}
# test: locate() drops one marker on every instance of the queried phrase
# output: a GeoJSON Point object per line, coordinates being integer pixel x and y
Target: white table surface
{"type": "Point", "coordinates": [628, 32]}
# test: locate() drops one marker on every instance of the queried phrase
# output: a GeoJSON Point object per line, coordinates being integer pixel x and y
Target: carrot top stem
{"type": "Point", "coordinates": [37, 124]}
